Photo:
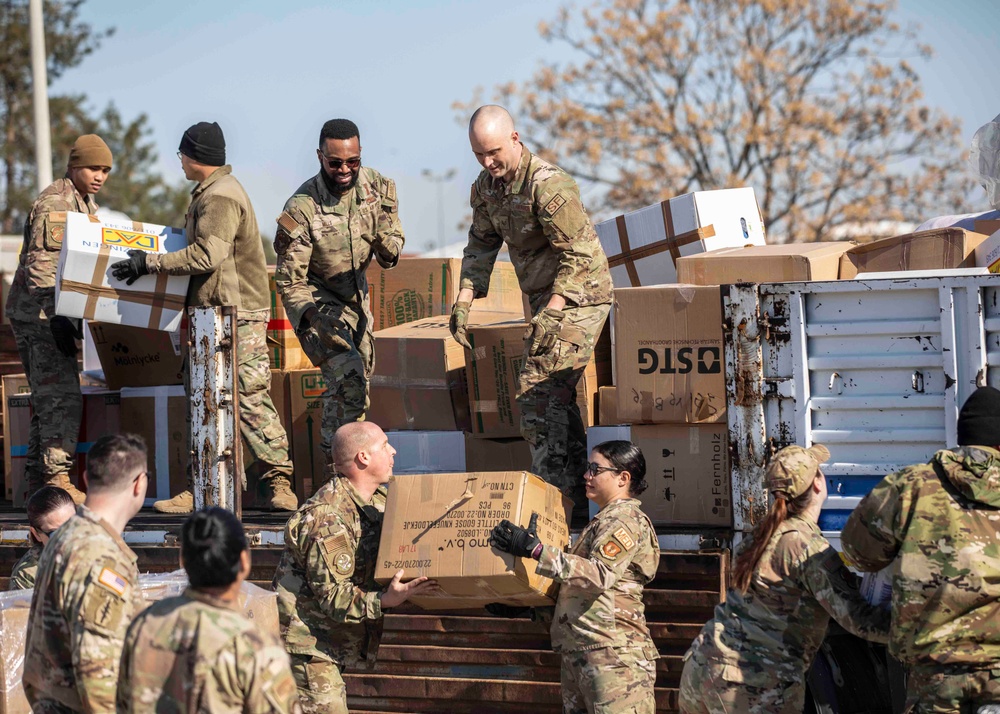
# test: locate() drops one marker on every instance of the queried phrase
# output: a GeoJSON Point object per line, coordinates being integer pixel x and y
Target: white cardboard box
{"type": "Point", "coordinates": [988, 253]}
{"type": "Point", "coordinates": [642, 246]}
{"type": "Point", "coordinates": [428, 452]}
{"type": "Point", "coordinates": [84, 284]}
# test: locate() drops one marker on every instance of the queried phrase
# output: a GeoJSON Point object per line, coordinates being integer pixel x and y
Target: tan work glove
{"type": "Point", "coordinates": [459, 324]}
{"type": "Point", "coordinates": [545, 329]}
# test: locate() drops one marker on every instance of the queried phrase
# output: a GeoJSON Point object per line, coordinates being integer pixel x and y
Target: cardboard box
{"type": "Point", "coordinates": [643, 246]}
{"type": "Point", "coordinates": [988, 252]}
{"type": "Point", "coordinates": [84, 284]}
{"type": "Point", "coordinates": [940, 248]}
{"type": "Point", "coordinates": [101, 416]}
{"type": "Point", "coordinates": [607, 405]}
{"type": "Point", "coordinates": [427, 452]}
{"type": "Point", "coordinates": [439, 525]}
{"type": "Point", "coordinates": [305, 392]}
{"type": "Point", "coordinates": [159, 415]}
{"type": "Point", "coordinates": [987, 227]}
{"type": "Point", "coordinates": [283, 346]}
{"type": "Point", "coordinates": [14, 609]}
{"type": "Point", "coordinates": [789, 262]}
{"type": "Point", "coordinates": [497, 454]}
{"type": "Point", "coordinates": [493, 368]}
{"type": "Point", "coordinates": [669, 356]}
{"type": "Point", "coordinates": [136, 356]}
{"type": "Point", "coordinates": [425, 287]}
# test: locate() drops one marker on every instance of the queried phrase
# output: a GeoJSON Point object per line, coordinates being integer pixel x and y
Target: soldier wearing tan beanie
{"type": "Point", "coordinates": [46, 342]}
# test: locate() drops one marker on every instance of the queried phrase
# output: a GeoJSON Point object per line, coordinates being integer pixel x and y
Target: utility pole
{"type": "Point", "coordinates": [440, 180]}
{"type": "Point", "coordinates": [40, 94]}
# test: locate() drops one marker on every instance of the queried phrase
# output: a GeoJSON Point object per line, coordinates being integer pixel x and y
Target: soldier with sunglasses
{"type": "Point", "coordinates": [328, 234]}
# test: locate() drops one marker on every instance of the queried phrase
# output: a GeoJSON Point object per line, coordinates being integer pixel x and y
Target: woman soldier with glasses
{"type": "Point", "coordinates": [599, 624]}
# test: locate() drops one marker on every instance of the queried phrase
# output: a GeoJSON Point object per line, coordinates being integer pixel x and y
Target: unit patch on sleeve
{"type": "Point", "coordinates": [610, 550]}
{"type": "Point", "coordinates": [623, 537]}
{"type": "Point", "coordinates": [555, 204]}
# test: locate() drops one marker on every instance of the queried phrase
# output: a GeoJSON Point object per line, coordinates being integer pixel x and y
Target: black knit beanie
{"type": "Point", "coordinates": [204, 143]}
{"type": "Point", "coordinates": [979, 420]}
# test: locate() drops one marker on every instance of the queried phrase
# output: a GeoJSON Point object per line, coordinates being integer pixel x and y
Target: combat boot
{"type": "Point", "coordinates": [62, 481]}
{"type": "Point", "coordinates": [279, 494]}
{"type": "Point", "coordinates": [183, 502]}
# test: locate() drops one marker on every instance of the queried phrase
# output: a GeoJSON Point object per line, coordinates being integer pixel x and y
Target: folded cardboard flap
{"type": "Point", "coordinates": [786, 262]}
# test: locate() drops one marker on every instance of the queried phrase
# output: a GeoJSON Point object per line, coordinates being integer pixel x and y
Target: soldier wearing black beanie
{"type": "Point", "coordinates": [204, 143]}
{"type": "Point", "coordinates": [979, 419]}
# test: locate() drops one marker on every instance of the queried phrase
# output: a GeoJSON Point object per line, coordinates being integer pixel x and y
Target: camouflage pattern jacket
{"type": "Point", "coordinates": [25, 571]}
{"type": "Point", "coordinates": [551, 241]}
{"type": "Point", "coordinates": [771, 633]}
{"type": "Point", "coordinates": [225, 256]}
{"type": "Point", "coordinates": [601, 580]}
{"type": "Point", "coordinates": [940, 523]}
{"type": "Point", "coordinates": [325, 243]}
{"type": "Point", "coordinates": [328, 600]}
{"type": "Point", "coordinates": [33, 290]}
{"type": "Point", "coordinates": [85, 596]}
{"type": "Point", "coordinates": [197, 653]}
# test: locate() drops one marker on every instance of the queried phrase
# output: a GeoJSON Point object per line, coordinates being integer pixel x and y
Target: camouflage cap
{"type": "Point", "coordinates": [793, 469]}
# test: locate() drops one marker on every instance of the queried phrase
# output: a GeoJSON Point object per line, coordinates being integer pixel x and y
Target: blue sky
{"type": "Point", "coordinates": [271, 72]}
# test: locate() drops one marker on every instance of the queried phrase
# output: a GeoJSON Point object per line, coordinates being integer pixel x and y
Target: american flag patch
{"type": "Point", "coordinates": [113, 581]}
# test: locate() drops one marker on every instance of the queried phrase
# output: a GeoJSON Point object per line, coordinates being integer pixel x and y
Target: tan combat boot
{"type": "Point", "coordinates": [183, 502]}
{"type": "Point", "coordinates": [278, 491]}
{"type": "Point", "coordinates": [62, 481]}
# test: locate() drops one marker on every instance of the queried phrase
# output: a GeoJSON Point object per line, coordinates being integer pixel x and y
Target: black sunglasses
{"type": "Point", "coordinates": [335, 164]}
{"type": "Point", "coordinates": [595, 469]}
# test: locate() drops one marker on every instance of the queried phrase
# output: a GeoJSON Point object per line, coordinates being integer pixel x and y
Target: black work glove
{"type": "Point", "coordinates": [545, 330]}
{"type": "Point", "coordinates": [132, 269]}
{"type": "Point", "coordinates": [498, 609]}
{"type": "Point", "coordinates": [516, 540]}
{"type": "Point", "coordinates": [65, 332]}
{"type": "Point", "coordinates": [459, 324]}
{"type": "Point", "coordinates": [328, 328]}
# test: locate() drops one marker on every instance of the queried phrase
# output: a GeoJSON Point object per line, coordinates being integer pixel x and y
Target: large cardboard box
{"type": "Point", "coordinates": [669, 355]}
{"type": "Point", "coordinates": [424, 287]}
{"type": "Point", "coordinates": [643, 246]}
{"type": "Point", "coordinates": [607, 404]}
{"type": "Point", "coordinates": [497, 454]}
{"type": "Point", "coordinates": [159, 415]}
{"type": "Point", "coordinates": [305, 400]}
{"type": "Point", "coordinates": [14, 387]}
{"type": "Point", "coordinates": [427, 452]}
{"type": "Point", "coordinates": [988, 252]}
{"type": "Point", "coordinates": [493, 367]}
{"type": "Point", "coordinates": [283, 346]}
{"type": "Point", "coordinates": [136, 356]}
{"type": "Point", "coordinates": [940, 248]}
{"type": "Point", "coordinates": [439, 525]}
{"type": "Point", "coordinates": [84, 284]}
{"type": "Point", "coordinates": [784, 263]}
{"type": "Point", "coordinates": [14, 609]}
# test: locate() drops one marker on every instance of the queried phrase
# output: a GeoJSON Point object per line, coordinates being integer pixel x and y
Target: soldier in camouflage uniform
{"type": "Point", "coordinates": [48, 508]}
{"type": "Point", "coordinates": [599, 623]}
{"type": "Point", "coordinates": [87, 588]}
{"type": "Point", "coordinates": [197, 652]}
{"type": "Point", "coordinates": [225, 259]}
{"type": "Point", "coordinates": [938, 526]}
{"type": "Point", "coordinates": [752, 657]}
{"type": "Point", "coordinates": [328, 233]}
{"type": "Point", "coordinates": [535, 208]}
{"type": "Point", "coordinates": [46, 342]}
{"type": "Point", "coordinates": [329, 606]}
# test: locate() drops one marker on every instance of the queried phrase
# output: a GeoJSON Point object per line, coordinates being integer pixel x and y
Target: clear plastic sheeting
{"type": "Point", "coordinates": [984, 158]}
{"type": "Point", "coordinates": [258, 604]}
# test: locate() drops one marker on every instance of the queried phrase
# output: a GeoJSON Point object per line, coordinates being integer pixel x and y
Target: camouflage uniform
{"type": "Point", "coordinates": [324, 245]}
{"type": "Point", "coordinates": [54, 378]}
{"type": "Point", "coordinates": [554, 250]}
{"type": "Point", "coordinates": [25, 571]}
{"type": "Point", "coordinates": [328, 601]}
{"type": "Point", "coordinates": [753, 655]}
{"type": "Point", "coordinates": [84, 599]}
{"type": "Point", "coordinates": [197, 653]}
{"type": "Point", "coordinates": [225, 259]}
{"type": "Point", "coordinates": [599, 623]}
{"type": "Point", "coordinates": [938, 524]}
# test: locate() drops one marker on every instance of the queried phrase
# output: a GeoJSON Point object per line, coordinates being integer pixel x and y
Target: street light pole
{"type": "Point", "coordinates": [40, 94]}
{"type": "Point", "coordinates": [440, 180]}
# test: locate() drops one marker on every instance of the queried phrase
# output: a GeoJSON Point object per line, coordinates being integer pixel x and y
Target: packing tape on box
{"type": "Point", "coordinates": [387, 380]}
{"type": "Point", "coordinates": [485, 405]}
{"type": "Point", "coordinates": [628, 257]}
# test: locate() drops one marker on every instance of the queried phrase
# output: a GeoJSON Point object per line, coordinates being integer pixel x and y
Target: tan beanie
{"type": "Point", "coordinates": [89, 150]}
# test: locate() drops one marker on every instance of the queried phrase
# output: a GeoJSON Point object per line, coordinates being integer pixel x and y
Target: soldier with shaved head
{"type": "Point", "coordinates": [535, 208]}
{"type": "Point", "coordinates": [329, 605]}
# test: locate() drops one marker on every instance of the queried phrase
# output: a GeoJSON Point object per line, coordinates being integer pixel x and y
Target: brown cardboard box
{"type": "Point", "coordinates": [305, 392]}
{"type": "Point", "coordinates": [137, 357]}
{"type": "Point", "coordinates": [763, 264]}
{"type": "Point", "coordinates": [687, 469]}
{"type": "Point", "coordinates": [496, 359]}
{"type": "Point", "coordinates": [283, 347]}
{"type": "Point", "coordinates": [424, 287]}
{"type": "Point", "coordinates": [159, 415]}
{"type": "Point", "coordinates": [987, 228]}
{"type": "Point", "coordinates": [607, 405]}
{"type": "Point", "coordinates": [439, 525]}
{"type": "Point", "coordinates": [669, 355]}
{"type": "Point", "coordinates": [940, 248]}
{"type": "Point", "coordinates": [497, 454]}
{"type": "Point", "coordinates": [14, 609]}
{"type": "Point", "coordinates": [101, 416]}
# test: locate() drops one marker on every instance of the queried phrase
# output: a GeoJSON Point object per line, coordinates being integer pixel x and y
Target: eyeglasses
{"type": "Point", "coordinates": [594, 469]}
{"type": "Point", "coordinates": [335, 164]}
